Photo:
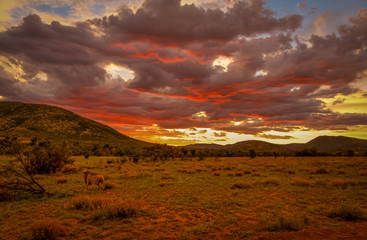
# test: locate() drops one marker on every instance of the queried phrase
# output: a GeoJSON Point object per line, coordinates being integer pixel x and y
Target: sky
{"type": "Point", "coordinates": [193, 71]}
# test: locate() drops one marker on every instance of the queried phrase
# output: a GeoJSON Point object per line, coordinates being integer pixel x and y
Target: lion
{"type": "Point", "coordinates": [92, 178]}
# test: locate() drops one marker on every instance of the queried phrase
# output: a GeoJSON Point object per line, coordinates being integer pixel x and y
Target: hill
{"type": "Point", "coordinates": [337, 144]}
{"type": "Point", "coordinates": [327, 144]}
{"type": "Point", "coordinates": [56, 124]}
{"type": "Point", "coordinates": [258, 146]}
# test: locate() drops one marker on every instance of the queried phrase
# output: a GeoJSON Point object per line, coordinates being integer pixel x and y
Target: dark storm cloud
{"type": "Point", "coordinates": [274, 82]}
{"type": "Point", "coordinates": [168, 20]}
{"type": "Point", "coordinates": [70, 57]}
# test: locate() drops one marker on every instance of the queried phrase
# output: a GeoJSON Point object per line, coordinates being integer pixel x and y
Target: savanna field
{"type": "Point", "coordinates": [216, 198]}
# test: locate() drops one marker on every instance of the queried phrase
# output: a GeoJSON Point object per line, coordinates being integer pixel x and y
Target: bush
{"type": "Point", "coordinates": [85, 203]}
{"type": "Point", "coordinates": [347, 212]}
{"type": "Point", "coordinates": [300, 182]}
{"type": "Point", "coordinates": [322, 171]}
{"type": "Point", "coordinates": [81, 202]}
{"type": "Point", "coordinates": [256, 174]}
{"type": "Point", "coordinates": [247, 171]}
{"type": "Point", "coordinates": [109, 185]}
{"type": "Point", "coordinates": [117, 210]}
{"type": "Point", "coordinates": [287, 222]}
{"type": "Point", "coordinates": [241, 186]}
{"type": "Point", "coordinates": [47, 229]}
{"type": "Point", "coordinates": [62, 180]}
{"type": "Point", "coordinates": [68, 169]}
{"type": "Point", "coordinates": [47, 158]}
{"type": "Point", "coordinates": [271, 181]}
{"type": "Point", "coordinates": [363, 173]}
{"type": "Point", "coordinates": [339, 183]}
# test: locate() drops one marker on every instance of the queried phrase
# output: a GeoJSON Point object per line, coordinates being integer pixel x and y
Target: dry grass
{"type": "Point", "coordinates": [271, 181]}
{"type": "Point", "coordinates": [62, 180]}
{"type": "Point", "coordinates": [45, 229]}
{"type": "Point", "coordinates": [86, 203]}
{"type": "Point", "coordinates": [109, 185]}
{"type": "Point", "coordinates": [347, 212]}
{"type": "Point", "coordinates": [196, 199]}
{"type": "Point", "coordinates": [117, 210]}
{"type": "Point", "coordinates": [300, 182]}
{"type": "Point", "coordinates": [241, 186]}
{"type": "Point", "coordinates": [287, 222]}
{"type": "Point", "coordinates": [338, 182]}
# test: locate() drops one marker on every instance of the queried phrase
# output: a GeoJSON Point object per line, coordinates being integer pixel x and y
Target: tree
{"type": "Point", "coordinates": [252, 153]}
{"type": "Point", "coordinates": [349, 153]}
{"type": "Point", "coordinates": [184, 152]}
{"type": "Point", "coordinates": [193, 152]}
{"type": "Point", "coordinates": [16, 179]}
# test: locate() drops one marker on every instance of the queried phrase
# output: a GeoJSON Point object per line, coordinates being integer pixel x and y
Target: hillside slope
{"type": "Point", "coordinates": [328, 144]}
{"type": "Point", "coordinates": [337, 144]}
{"type": "Point", "coordinates": [56, 124]}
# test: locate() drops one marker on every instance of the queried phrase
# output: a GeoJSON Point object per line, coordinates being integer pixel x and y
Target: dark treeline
{"type": "Point", "coordinates": [164, 152]}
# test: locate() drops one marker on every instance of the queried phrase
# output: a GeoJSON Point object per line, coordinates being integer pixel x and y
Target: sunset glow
{"type": "Point", "coordinates": [193, 71]}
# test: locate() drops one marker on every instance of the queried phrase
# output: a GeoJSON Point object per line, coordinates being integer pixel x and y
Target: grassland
{"type": "Point", "coordinates": [221, 198]}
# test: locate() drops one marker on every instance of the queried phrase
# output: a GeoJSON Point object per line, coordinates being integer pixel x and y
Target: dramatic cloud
{"type": "Point", "coordinates": [166, 66]}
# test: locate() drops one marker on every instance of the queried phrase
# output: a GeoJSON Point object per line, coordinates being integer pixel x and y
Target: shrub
{"type": "Point", "coordinates": [47, 229]}
{"type": "Point", "coordinates": [339, 183]}
{"type": "Point", "coordinates": [271, 181]}
{"type": "Point", "coordinates": [341, 171]}
{"type": "Point", "coordinates": [117, 210]}
{"type": "Point", "coordinates": [300, 182]}
{"type": "Point", "coordinates": [347, 212]}
{"type": "Point", "coordinates": [85, 203]}
{"type": "Point", "coordinates": [247, 171]}
{"type": "Point", "coordinates": [241, 186]}
{"type": "Point", "coordinates": [256, 174]}
{"type": "Point", "coordinates": [68, 169]}
{"type": "Point", "coordinates": [166, 175]}
{"type": "Point", "coordinates": [321, 171]}
{"type": "Point", "coordinates": [81, 202]}
{"type": "Point", "coordinates": [216, 173]}
{"type": "Point", "coordinates": [109, 185]}
{"type": "Point", "coordinates": [47, 158]}
{"type": "Point", "coordinates": [62, 180]}
{"type": "Point", "coordinates": [287, 222]}
{"type": "Point", "coordinates": [363, 173]}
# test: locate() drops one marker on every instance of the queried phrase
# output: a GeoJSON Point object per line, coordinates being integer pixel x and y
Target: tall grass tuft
{"type": "Point", "coordinates": [287, 222]}
{"type": "Point", "coordinates": [347, 212]}
{"type": "Point", "coordinates": [117, 210]}
{"type": "Point", "coordinates": [47, 229]}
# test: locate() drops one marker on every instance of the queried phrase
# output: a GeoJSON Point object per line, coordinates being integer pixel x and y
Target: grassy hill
{"type": "Point", "coordinates": [337, 144]}
{"type": "Point", "coordinates": [328, 144]}
{"type": "Point", "coordinates": [57, 124]}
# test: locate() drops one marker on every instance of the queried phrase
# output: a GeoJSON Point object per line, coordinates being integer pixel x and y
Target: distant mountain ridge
{"type": "Point", "coordinates": [53, 123]}
{"type": "Point", "coordinates": [330, 144]}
